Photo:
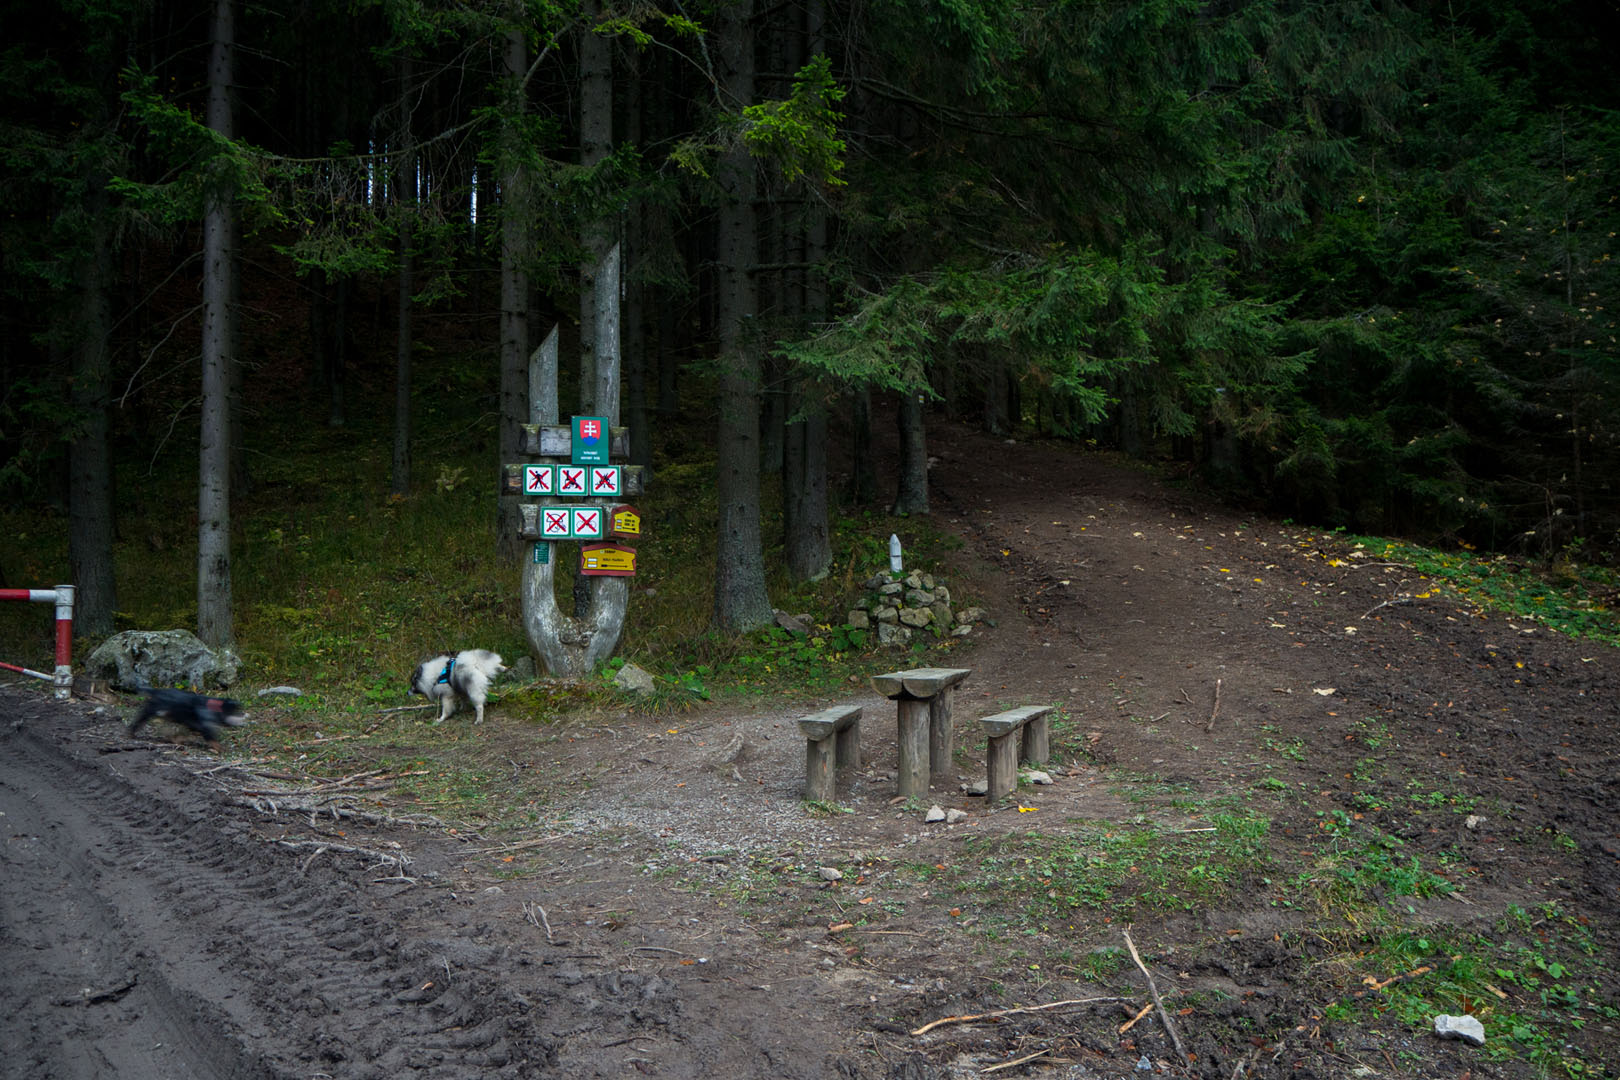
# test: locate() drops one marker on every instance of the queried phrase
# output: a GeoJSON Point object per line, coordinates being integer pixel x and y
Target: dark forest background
{"type": "Point", "coordinates": [1349, 262]}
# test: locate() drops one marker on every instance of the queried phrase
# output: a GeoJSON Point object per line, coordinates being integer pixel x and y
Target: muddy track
{"type": "Point", "coordinates": [213, 954]}
{"type": "Point", "coordinates": [155, 924]}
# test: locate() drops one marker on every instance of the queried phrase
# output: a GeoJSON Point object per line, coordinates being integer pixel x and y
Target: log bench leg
{"type": "Point", "coordinates": [1001, 760]}
{"type": "Point", "coordinates": [818, 768]}
{"type": "Point", "coordinates": [913, 775]}
{"type": "Point", "coordinates": [940, 733]}
{"type": "Point", "coordinates": [848, 756]}
{"type": "Point", "coordinates": [1037, 741]}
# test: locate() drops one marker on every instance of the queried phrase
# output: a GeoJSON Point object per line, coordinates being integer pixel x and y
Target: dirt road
{"type": "Point", "coordinates": [165, 913]}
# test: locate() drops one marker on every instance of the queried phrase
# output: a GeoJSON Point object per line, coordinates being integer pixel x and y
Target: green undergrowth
{"type": "Point", "coordinates": [1574, 598]}
{"type": "Point", "coordinates": [340, 589]}
{"type": "Point", "coordinates": [1535, 979]}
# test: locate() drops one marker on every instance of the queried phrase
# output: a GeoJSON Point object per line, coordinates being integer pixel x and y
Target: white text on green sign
{"type": "Point", "coordinates": [589, 445]}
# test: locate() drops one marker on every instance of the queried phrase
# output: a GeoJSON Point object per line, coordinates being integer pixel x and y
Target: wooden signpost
{"type": "Point", "coordinates": [577, 494]}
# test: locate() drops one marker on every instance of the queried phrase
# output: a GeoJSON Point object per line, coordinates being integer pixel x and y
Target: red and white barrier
{"type": "Point", "coordinates": [62, 597]}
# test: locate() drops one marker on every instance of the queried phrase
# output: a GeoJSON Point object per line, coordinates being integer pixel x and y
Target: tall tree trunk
{"type": "Point", "coordinates": [215, 625]}
{"type": "Point", "coordinates": [90, 503]}
{"type": "Point", "coordinates": [911, 494]}
{"type": "Point", "coordinates": [807, 543]}
{"type": "Point", "coordinates": [633, 359]}
{"type": "Point", "coordinates": [741, 602]}
{"type": "Point", "coordinates": [514, 291]}
{"type": "Point", "coordinates": [595, 141]}
{"type": "Point", "coordinates": [399, 477]}
{"type": "Point", "coordinates": [862, 472]}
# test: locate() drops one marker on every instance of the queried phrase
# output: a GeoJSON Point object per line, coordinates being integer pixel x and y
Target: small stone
{"type": "Point", "coordinates": [919, 598]}
{"type": "Point", "coordinates": [935, 813]}
{"type": "Point", "coordinates": [1143, 1064]}
{"type": "Point", "coordinates": [830, 873]}
{"type": "Point", "coordinates": [494, 890]}
{"type": "Point", "coordinates": [287, 691]}
{"type": "Point", "coordinates": [1035, 776]}
{"type": "Point", "coordinates": [859, 620]}
{"type": "Point", "coordinates": [893, 588]}
{"type": "Point", "coordinates": [953, 815]}
{"type": "Point", "coordinates": [916, 617]}
{"type": "Point", "coordinates": [633, 680]}
{"type": "Point", "coordinates": [1472, 821]}
{"type": "Point", "coordinates": [887, 615]}
{"type": "Point", "coordinates": [961, 631]}
{"type": "Point", "coordinates": [978, 787]}
{"type": "Point", "coordinates": [1466, 1028]}
{"type": "Point", "coordinates": [970, 615]}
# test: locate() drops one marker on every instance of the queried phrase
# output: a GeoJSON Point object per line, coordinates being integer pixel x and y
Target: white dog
{"type": "Point", "coordinates": [450, 680]}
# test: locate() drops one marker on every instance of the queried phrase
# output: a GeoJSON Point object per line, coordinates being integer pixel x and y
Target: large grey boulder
{"type": "Point", "coordinates": [137, 658]}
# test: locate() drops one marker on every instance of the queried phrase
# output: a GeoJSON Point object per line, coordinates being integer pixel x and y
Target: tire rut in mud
{"type": "Point", "coordinates": [217, 957]}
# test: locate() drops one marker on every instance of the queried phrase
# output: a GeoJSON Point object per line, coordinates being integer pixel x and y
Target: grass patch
{"type": "Point", "coordinates": [1534, 982]}
{"type": "Point", "coordinates": [1572, 598]}
{"type": "Point", "coordinates": [1033, 880]}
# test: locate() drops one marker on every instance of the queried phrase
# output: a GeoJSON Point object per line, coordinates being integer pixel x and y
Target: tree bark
{"type": "Point", "coordinates": [595, 141]}
{"type": "Point", "coordinates": [215, 624]}
{"type": "Point", "coordinates": [514, 291]}
{"type": "Point", "coordinates": [741, 602]}
{"type": "Point", "coordinates": [399, 477]}
{"type": "Point", "coordinates": [911, 495]}
{"type": "Point", "coordinates": [90, 503]}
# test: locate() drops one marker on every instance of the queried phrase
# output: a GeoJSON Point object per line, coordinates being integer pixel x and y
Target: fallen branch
{"type": "Point", "coordinates": [1212, 716]}
{"type": "Point", "coordinates": [1389, 603]}
{"type": "Point", "coordinates": [1127, 1025]}
{"type": "Point", "coordinates": [1153, 988]}
{"type": "Point", "coordinates": [999, 1013]}
{"type": "Point", "coordinates": [1016, 1061]}
{"type": "Point", "coordinates": [408, 708]}
{"type": "Point", "coordinates": [383, 858]}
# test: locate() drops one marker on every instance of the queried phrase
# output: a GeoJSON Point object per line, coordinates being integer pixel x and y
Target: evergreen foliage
{"type": "Point", "coordinates": [1354, 262]}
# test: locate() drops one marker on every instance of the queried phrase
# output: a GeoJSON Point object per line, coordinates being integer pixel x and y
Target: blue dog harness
{"type": "Point", "coordinates": [448, 668]}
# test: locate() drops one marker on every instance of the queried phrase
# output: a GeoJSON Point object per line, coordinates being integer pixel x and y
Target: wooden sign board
{"type": "Point", "coordinates": [624, 522]}
{"type": "Point", "coordinates": [607, 560]}
{"type": "Point", "coordinates": [557, 441]}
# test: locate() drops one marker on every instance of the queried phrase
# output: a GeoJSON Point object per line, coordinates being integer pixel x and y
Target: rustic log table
{"type": "Point", "coordinates": [924, 698]}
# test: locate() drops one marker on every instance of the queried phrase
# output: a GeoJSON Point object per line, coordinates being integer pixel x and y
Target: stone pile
{"type": "Point", "coordinates": [900, 606]}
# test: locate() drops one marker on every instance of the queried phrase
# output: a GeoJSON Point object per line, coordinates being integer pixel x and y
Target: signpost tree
{"type": "Point", "coordinates": [574, 492]}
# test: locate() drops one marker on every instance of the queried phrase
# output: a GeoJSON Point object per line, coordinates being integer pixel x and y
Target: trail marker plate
{"type": "Point", "coordinates": [624, 522]}
{"type": "Point", "coordinates": [606, 480]}
{"type": "Point", "coordinates": [573, 480]}
{"type": "Point", "coordinates": [607, 560]}
{"type": "Point", "coordinates": [588, 523]}
{"type": "Point", "coordinates": [539, 479]}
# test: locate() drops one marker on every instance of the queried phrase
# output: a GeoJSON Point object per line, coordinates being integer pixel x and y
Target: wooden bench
{"type": "Point", "coordinates": [832, 745]}
{"type": "Point", "coordinates": [1034, 746]}
{"type": "Point", "coordinates": [924, 697]}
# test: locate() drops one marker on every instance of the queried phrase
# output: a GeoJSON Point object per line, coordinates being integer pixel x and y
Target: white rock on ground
{"type": "Point", "coordinates": [1466, 1028]}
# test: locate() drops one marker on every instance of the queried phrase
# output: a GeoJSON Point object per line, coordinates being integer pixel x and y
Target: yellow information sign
{"type": "Point", "coordinates": [607, 560]}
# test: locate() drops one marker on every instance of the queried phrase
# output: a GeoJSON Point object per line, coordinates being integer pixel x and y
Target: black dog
{"type": "Point", "coordinates": [207, 716]}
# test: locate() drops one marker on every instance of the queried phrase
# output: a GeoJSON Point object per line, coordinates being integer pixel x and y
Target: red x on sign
{"type": "Point", "coordinates": [588, 521]}
{"type": "Point", "coordinates": [570, 479]}
{"type": "Point", "coordinates": [556, 523]}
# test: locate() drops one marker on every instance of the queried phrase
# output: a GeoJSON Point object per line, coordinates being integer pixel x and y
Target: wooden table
{"type": "Point", "coordinates": [924, 698]}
